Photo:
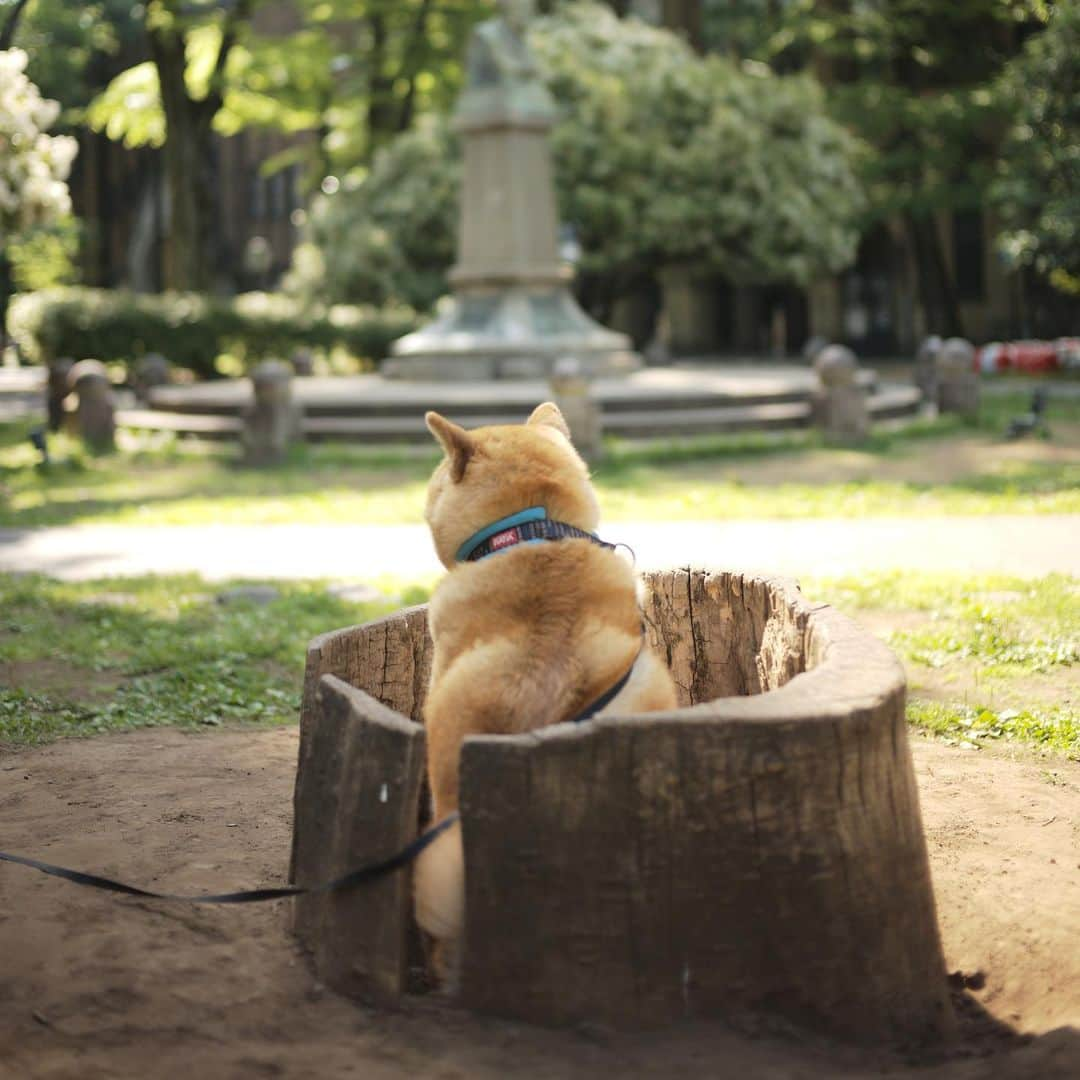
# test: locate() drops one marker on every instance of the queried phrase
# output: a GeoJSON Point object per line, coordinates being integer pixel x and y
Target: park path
{"type": "Point", "coordinates": [1022, 545]}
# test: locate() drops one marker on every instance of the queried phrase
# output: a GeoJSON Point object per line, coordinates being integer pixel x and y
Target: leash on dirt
{"type": "Point", "coordinates": [361, 876]}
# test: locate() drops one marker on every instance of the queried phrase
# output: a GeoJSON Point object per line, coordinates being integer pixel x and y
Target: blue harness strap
{"type": "Point", "coordinates": [529, 526]}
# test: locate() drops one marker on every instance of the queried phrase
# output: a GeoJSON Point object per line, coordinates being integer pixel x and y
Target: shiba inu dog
{"type": "Point", "coordinates": [536, 623]}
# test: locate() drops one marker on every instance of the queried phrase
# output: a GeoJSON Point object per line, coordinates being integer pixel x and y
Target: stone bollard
{"type": "Point", "coordinates": [152, 370]}
{"type": "Point", "coordinates": [957, 379]}
{"type": "Point", "coordinates": [839, 407]}
{"type": "Point", "coordinates": [570, 389]}
{"type": "Point", "coordinates": [272, 420]}
{"type": "Point", "coordinates": [926, 367]}
{"type": "Point", "coordinates": [303, 362]}
{"type": "Point", "coordinates": [57, 388]}
{"type": "Point", "coordinates": [95, 411]}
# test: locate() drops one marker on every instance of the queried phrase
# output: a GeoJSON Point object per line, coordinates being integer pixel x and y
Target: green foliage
{"type": "Point", "coordinates": [44, 257]}
{"type": "Point", "coordinates": [1039, 187]}
{"type": "Point", "coordinates": [1007, 625]}
{"type": "Point", "coordinates": [973, 640]}
{"type": "Point", "coordinates": [661, 157]}
{"type": "Point", "coordinates": [152, 651]}
{"type": "Point", "coordinates": [389, 238]}
{"type": "Point", "coordinates": [667, 157]}
{"type": "Point", "coordinates": [192, 330]}
{"type": "Point", "coordinates": [917, 82]}
{"type": "Point", "coordinates": [129, 109]}
{"type": "Point", "coordinates": [75, 49]}
{"type": "Point", "coordinates": [1051, 728]}
{"type": "Point", "coordinates": [354, 72]}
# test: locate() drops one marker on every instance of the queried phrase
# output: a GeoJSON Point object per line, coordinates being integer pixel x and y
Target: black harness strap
{"type": "Point", "coordinates": [606, 698]}
{"type": "Point", "coordinates": [370, 872]}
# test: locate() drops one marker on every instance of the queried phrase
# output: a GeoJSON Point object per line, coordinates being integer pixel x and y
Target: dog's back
{"type": "Point", "coordinates": [526, 637]}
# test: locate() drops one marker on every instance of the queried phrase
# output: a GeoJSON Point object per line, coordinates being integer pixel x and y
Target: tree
{"type": "Point", "coordinates": [661, 156]}
{"type": "Point", "coordinates": [390, 237]}
{"type": "Point", "coordinates": [1039, 185]}
{"type": "Point", "coordinates": [915, 81]}
{"type": "Point", "coordinates": [193, 261]}
{"type": "Point", "coordinates": [75, 49]}
{"type": "Point", "coordinates": [33, 165]}
{"type": "Point", "coordinates": [172, 100]}
{"type": "Point", "coordinates": [9, 24]}
{"type": "Point", "coordinates": [353, 73]}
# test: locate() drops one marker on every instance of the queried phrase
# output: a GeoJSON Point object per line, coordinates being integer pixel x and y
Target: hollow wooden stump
{"type": "Point", "coordinates": [758, 849]}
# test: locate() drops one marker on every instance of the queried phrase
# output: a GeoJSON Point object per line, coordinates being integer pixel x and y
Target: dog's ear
{"type": "Point", "coordinates": [548, 414]}
{"type": "Point", "coordinates": [456, 442]}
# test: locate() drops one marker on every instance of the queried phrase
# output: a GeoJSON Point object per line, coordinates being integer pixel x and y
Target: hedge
{"type": "Point", "coordinates": [191, 330]}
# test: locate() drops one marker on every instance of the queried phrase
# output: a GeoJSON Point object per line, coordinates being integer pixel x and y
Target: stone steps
{"type": "Point", "coordinates": [646, 419]}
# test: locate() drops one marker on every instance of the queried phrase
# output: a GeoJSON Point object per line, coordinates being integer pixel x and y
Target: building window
{"type": "Point", "coordinates": [968, 254]}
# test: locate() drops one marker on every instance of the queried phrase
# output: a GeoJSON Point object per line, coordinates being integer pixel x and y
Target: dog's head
{"type": "Point", "coordinates": [493, 472]}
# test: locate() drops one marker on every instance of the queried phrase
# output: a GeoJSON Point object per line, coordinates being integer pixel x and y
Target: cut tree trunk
{"type": "Point", "coordinates": [758, 850]}
{"type": "Point", "coordinates": [361, 791]}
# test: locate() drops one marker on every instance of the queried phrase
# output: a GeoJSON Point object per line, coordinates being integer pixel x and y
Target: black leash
{"type": "Point", "coordinates": [360, 876]}
{"type": "Point", "coordinates": [371, 872]}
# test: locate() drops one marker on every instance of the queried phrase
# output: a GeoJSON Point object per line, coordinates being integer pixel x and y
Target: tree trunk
{"type": "Point", "coordinates": [194, 261]}
{"type": "Point", "coordinates": [194, 225]}
{"type": "Point", "coordinates": [11, 24]}
{"type": "Point", "coordinates": [758, 850]}
{"type": "Point", "coordinates": [937, 293]}
{"type": "Point", "coordinates": [7, 288]}
{"type": "Point", "coordinates": [410, 64]}
{"type": "Point", "coordinates": [360, 793]}
{"type": "Point", "coordinates": [684, 17]}
{"type": "Point", "coordinates": [382, 118]}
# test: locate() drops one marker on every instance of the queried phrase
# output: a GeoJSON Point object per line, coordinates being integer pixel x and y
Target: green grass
{"type": "Point", "coordinates": [1056, 729]}
{"type": "Point", "coordinates": [123, 653]}
{"type": "Point", "coordinates": [165, 482]}
{"type": "Point", "coordinates": [995, 651]}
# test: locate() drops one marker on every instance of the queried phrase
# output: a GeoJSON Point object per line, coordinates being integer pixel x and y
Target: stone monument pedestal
{"type": "Point", "coordinates": [511, 313]}
{"type": "Point", "coordinates": [513, 333]}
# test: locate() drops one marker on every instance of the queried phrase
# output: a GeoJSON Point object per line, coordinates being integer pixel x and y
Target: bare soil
{"type": "Point", "coordinates": [95, 986]}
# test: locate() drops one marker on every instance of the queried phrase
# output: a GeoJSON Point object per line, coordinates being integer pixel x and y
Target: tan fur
{"type": "Point", "coordinates": [524, 638]}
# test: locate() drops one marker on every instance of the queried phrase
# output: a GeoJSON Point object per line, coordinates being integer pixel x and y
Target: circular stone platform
{"type": "Point", "coordinates": [688, 399]}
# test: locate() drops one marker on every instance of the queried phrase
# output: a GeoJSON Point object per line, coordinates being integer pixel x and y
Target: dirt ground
{"type": "Point", "coordinates": [94, 986]}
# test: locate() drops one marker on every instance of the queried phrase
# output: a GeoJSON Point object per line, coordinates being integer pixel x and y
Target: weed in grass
{"type": "Point", "coordinates": [1014, 637]}
{"type": "Point", "coordinates": [1055, 729]}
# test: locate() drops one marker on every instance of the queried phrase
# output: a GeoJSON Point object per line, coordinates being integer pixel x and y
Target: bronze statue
{"type": "Point", "coordinates": [502, 80]}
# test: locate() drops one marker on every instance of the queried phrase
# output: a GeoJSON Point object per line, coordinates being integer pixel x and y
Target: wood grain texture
{"type": "Point", "coordinates": [751, 853]}
{"type": "Point", "coordinates": [359, 790]}
{"type": "Point", "coordinates": [389, 659]}
{"type": "Point", "coordinates": [759, 849]}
